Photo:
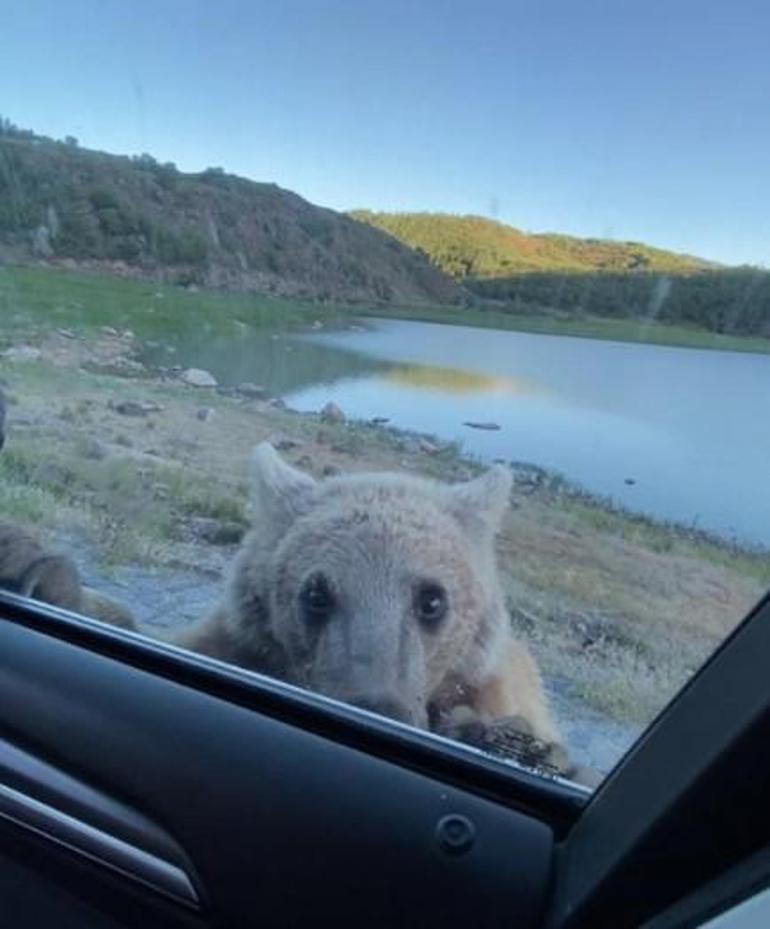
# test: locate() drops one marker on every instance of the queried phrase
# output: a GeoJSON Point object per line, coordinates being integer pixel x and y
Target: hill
{"type": "Point", "coordinates": [474, 247]}
{"type": "Point", "coordinates": [138, 217]}
{"type": "Point", "coordinates": [572, 279]}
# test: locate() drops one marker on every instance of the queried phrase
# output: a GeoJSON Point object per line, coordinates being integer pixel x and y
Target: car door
{"type": "Point", "coordinates": [144, 786]}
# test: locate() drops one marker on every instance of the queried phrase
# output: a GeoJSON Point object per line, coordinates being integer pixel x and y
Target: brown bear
{"type": "Point", "coordinates": [381, 590]}
{"type": "Point", "coordinates": [27, 568]}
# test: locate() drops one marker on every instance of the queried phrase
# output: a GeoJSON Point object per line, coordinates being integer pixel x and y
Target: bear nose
{"type": "Point", "coordinates": [384, 705]}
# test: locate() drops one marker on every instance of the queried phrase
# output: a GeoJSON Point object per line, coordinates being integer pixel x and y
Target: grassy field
{"type": "Point", "coordinates": [44, 298]}
{"type": "Point", "coordinates": [615, 330]}
{"type": "Point", "coordinates": [32, 298]}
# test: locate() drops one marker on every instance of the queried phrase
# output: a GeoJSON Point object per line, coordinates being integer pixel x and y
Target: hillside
{"type": "Point", "coordinates": [571, 278]}
{"type": "Point", "coordinates": [136, 216]}
{"type": "Point", "coordinates": [470, 246]}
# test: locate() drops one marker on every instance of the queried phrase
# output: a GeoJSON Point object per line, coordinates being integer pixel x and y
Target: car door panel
{"type": "Point", "coordinates": [274, 825]}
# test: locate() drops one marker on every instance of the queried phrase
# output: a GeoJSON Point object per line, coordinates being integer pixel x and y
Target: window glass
{"type": "Point", "coordinates": [416, 354]}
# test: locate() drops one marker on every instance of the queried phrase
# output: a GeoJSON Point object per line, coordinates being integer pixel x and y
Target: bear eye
{"type": "Point", "coordinates": [316, 599]}
{"type": "Point", "coordinates": [430, 604]}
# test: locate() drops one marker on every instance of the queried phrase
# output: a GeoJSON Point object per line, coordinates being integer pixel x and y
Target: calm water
{"type": "Point", "coordinates": [690, 428]}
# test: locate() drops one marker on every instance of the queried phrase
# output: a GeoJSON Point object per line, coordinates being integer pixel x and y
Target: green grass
{"type": "Point", "coordinates": [134, 510]}
{"type": "Point", "coordinates": [615, 330]}
{"type": "Point", "coordinates": [34, 300]}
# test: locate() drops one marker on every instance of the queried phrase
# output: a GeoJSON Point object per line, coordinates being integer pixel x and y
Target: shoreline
{"type": "Point", "coordinates": [604, 328]}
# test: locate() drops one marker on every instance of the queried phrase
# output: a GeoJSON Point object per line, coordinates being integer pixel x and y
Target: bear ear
{"type": "Point", "coordinates": [479, 505]}
{"type": "Point", "coordinates": [279, 492]}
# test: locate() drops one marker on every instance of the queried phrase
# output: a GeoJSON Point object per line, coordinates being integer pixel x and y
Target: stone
{"type": "Point", "coordinates": [135, 407]}
{"type": "Point", "coordinates": [22, 353]}
{"type": "Point", "coordinates": [331, 470]}
{"type": "Point", "coordinates": [115, 367]}
{"type": "Point", "coordinates": [252, 391]}
{"type": "Point", "coordinates": [93, 449]}
{"type": "Point", "coordinates": [331, 413]}
{"type": "Point", "coordinates": [489, 426]}
{"type": "Point", "coordinates": [197, 377]}
{"type": "Point", "coordinates": [216, 531]}
{"type": "Point", "coordinates": [285, 444]}
{"type": "Point", "coordinates": [430, 448]}
{"type": "Point", "coordinates": [204, 413]}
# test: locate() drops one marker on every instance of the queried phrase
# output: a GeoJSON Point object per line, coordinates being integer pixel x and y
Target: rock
{"type": "Point", "coordinates": [285, 444]}
{"type": "Point", "coordinates": [430, 448]}
{"type": "Point", "coordinates": [109, 331]}
{"type": "Point", "coordinates": [216, 531]}
{"type": "Point", "coordinates": [345, 448]}
{"type": "Point", "coordinates": [331, 413]}
{"type": "Point", "coordinates": [317, 324]}
{"type": "Point", "coordinates": [204, 413]}
{"type": "Point", "coordinates": [305, 462]}
{"type": "Point", "coordinates": [66, 333]}
{"type": "Point", "coordinates": [277, 403]}
{"type": "Point", "coordinates": [489, 426]}
{"type": "Point", "coordinates": [379, 420]}
{"type": "Point", "coordinates": [22, 353]}
{"type": "Point", "coordinates": [331, 470]}
{"type": "Point", "coordinates": [252, 391]}
{"type": "Point", "coordinates": [135, 407]}
{"type": "Point", "coordinates": [115, 367]}
{"type": "Point", "coordinates": [197, 377]}
{"type": "Point", "coordinates": [92, 449]}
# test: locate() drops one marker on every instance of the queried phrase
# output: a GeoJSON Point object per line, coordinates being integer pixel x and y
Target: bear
{"type": "Point", "coordinates": [27, 568]}
{"type": "Point", "coordinates": [381, 590]}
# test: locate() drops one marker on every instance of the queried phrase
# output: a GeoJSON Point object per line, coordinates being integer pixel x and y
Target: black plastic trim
{"type": "Point", "coordinates": [555, 801]}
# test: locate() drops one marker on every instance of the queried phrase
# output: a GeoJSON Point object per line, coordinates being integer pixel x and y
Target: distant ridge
{"type": "Point", "coordinates": [471, 246]}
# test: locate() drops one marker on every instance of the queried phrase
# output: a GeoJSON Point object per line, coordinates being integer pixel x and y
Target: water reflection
{"type": "Point", "coordinates": [457, 380]}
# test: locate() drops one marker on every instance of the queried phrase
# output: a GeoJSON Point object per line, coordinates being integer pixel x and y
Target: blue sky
{"type": "Point", "coordinates": [646, 121]}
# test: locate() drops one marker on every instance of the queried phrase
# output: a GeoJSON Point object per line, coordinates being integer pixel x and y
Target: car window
{"type": "Point", "coordinates": [413, 356]}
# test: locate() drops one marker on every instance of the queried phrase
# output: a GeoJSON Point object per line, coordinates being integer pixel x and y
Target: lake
{"type": "Point", "coordinates": [680, 434]}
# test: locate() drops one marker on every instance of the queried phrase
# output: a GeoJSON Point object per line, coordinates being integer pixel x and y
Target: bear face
{"type": "Point", "coordinates": [374, 589]}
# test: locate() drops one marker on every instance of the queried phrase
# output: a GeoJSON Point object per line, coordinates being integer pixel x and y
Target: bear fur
{"type": "Point", "coordinates": [381, 590]}
{"type": "Point", "coordinates": [27, 568]}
